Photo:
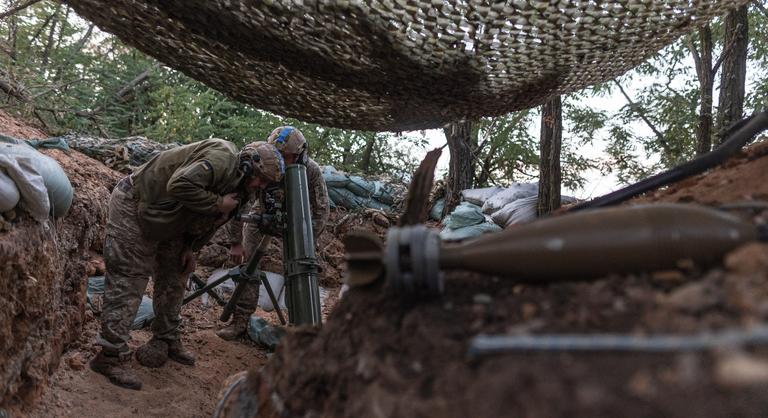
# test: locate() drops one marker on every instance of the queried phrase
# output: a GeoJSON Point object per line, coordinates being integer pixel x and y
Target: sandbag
{"type": "Point", "coordinates": [261, 332]}
{"type": "Point", "coordinates": [521, 211]}
{"type": "Point", "coordinates": [471, 231]}
{"type": "Point", "coordinates": [56, 182]}
{"type": "Point", "coordinates": [31, 186]}
{"type": "Point", "coordinates": [479, 196]}
{"type": "Point", "coordinates": [510, 194]}
{"type": "Point", "coordinates": [436, 213]}
{"type": "Point", "coordinates": [144, 315]}
{"type": "Point", "coordinates": [276, 281]}
{"type": "Point", "coordinates": [465, 214]}
{"type": "Point", "coordinates": [334, 178]}
{"type": "Point", "coordinates": [94, 294]}
{"type": "Point", "coordinates": [345, 198]}
{"type": "Point", "coordinates": [9, 193]}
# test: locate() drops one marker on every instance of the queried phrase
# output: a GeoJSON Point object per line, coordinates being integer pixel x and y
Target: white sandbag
{"type": "Point", "coordinates": [277, 282]}
{"type": "Point", "coordinates": [34, 195]}
{"type": "Point", "coordinates": [519, 211]}
{"type": "Point", "coordinates": [510, 194]}
{"type": "Point", "coordinates": [57, 185]}
{"type": "Point", "coordinates": [9, 193]}
{"type": "Point", "coordinates": [479, 196]}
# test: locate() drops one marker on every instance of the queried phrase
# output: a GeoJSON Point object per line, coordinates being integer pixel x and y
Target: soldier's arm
{"type": "Point", "coordinates": [318, 200]}
{"type": "Point", "coordinates": [189, 185]}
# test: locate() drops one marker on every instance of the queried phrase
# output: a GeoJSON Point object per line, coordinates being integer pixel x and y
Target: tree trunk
{"type": "Point", "coordinates": [365, 162]}
{"type": "Point", "coordinates": [461, 166]}
{"type": "Point", "coordinates": [734, 74]}
{"type": "Point", "coordinates": [703, 61]}
{"type": "Point", "coordinates": [550, 141]}
{"type": "Point", "coordinates": [486, 167]}
{"type": "Point", "coordinates": [49, 43]}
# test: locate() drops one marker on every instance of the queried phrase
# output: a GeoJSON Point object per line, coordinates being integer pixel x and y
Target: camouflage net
{"type": "Point", "coordinates": [399, 64]}
{"type": "Point", "coordinates": [120, 154]}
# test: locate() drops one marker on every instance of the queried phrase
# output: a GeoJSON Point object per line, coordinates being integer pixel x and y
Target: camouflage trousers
{"type": "Point", "coordinates": [252, 240]}
{"type": "Point", "coordinates": [130, 260]}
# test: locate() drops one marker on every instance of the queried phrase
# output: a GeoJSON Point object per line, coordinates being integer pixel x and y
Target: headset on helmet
{"type": "Point", "coordinates": [247, 159]}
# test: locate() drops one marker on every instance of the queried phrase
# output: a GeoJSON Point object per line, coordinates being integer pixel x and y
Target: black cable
{"type": "Point", "coordinates": [738, 135]}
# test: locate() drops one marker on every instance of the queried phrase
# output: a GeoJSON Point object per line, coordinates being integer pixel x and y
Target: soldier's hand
{"type": "Point", "coordinates": [228, 203]}
{"type": "Point", "coordinates": [236, 253]}
{"type": "Point", "coordinates": [188, 261]}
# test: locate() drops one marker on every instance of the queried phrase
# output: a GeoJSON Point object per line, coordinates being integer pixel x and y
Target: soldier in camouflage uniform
{"type": "Point", "coordinates": [158, 217]}
{"type": "Point", "coordinates": [245, 240]}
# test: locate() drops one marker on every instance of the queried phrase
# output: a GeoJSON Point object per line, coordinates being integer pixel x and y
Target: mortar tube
{"type": "Point", "coordinates": [299, 261]}
{"type": "Point", "coordinates": [603, 241]}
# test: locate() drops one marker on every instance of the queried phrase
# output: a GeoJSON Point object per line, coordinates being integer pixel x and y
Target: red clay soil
{"type": "Point", "coordinates": [43, 270]}
{"type": "Point", "coordinates": [383, 355]}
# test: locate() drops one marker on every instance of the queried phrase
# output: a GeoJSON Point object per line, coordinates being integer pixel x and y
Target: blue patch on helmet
{"type": "Point", "coordinates": [280, 161]}
{"type": "Point", "coordinates": [284, 134]}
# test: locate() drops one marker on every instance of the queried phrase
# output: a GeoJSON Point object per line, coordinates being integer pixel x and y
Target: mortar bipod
{"type": "Point", "coordinates": [243, 275]}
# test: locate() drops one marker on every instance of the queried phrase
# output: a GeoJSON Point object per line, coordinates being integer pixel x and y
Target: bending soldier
{"type": "Point", "coordinates": [245, 240]}
{"type": "Point", "coordinates": [158, 217]}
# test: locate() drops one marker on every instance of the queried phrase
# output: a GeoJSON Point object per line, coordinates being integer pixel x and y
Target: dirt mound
{"type": "Point", "coordinates": [12, 126]}
{"type": "Point", "coordinates": [382, 355]}
{"type": "Point", "coordinates": [42, 293]}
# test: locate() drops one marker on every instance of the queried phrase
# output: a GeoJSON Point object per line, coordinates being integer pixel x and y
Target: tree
{"type": "Point", "coordinates": [549, 166]}
{"type": "Point", "coordinates": [461, 144]}
{"type": "Point", "coordinates": [734, 75]}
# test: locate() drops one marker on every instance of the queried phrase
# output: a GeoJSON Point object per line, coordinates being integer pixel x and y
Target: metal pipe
{"type": "Point", "coordinates": [300, 264]}
{"type": "Point", "coordinates": [496, 344]}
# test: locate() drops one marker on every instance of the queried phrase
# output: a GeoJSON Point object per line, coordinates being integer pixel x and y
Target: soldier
{"type": "Point", "coordinates": [244, 241]}
{"type": "Point", "coordinates": [158, 217]}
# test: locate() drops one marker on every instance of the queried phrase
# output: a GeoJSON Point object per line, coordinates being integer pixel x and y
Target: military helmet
{"type": "Point", "coordinates": [261, 158]}
{"type": "Point", "coordinates": [288, 140]}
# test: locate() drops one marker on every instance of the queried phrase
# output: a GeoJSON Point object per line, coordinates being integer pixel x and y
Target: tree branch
{"type": "Point", "coordinates": [123, 92]}
{"type": "Point", "coordinates": [12, 87]}
{"type": "Point", "coordinates": [18, 8]}
{"type": "Point", "coordinates": [639, 111]}
{"type": "Point", "coordinates": [725, 52]}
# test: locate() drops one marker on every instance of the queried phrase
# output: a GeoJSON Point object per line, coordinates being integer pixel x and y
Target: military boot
{"type": "Point", "coordinates": [111, 366]}
{"type": "Point", "coordinates": [154, 353]}
{"type": "Point", "coordinates": [236, 328]}
{"type": "Point", "coordinates": [179, 354]}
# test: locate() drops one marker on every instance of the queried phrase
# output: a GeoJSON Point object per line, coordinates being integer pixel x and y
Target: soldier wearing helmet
{"type": "Point", "coordinates": [158, 217]}
{"type": "Point", "coordinates": [245, 240]}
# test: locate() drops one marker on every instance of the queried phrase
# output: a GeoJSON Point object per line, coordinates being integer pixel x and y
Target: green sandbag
{"type": "Point", "coordinates": [56, 181]}
{"type": "Point", "coordinates": [466, 214]}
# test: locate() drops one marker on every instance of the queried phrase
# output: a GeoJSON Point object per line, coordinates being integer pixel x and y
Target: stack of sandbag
{"type": "Point", "coordinates": [466, 221]}
{"type": "Point", "coordinates": [355, 192]}
{"type": "Point", "coordinates": [32, 180]}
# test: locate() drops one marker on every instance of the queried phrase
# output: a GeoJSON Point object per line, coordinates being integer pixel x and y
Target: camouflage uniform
{"type": "Point", "coordinates": [251, 237]}
{"type": "Point", "coordinates": [168, 206]}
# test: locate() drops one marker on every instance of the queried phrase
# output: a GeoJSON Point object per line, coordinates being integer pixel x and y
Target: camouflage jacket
{"type": "Point", "coordinates": [318, 202]}
{"type": "Point", "coordinates": [178, 190]}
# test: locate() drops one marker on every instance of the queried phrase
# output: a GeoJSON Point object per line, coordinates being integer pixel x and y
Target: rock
{"type": "Point", "coordinates": [748, 258]}
{"type": "Point", "coordinates": [76, 362]}
{"type": "Point", "coordinates": [741, 369]}
{"type": "Point", "coordinates": [693, 297]}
